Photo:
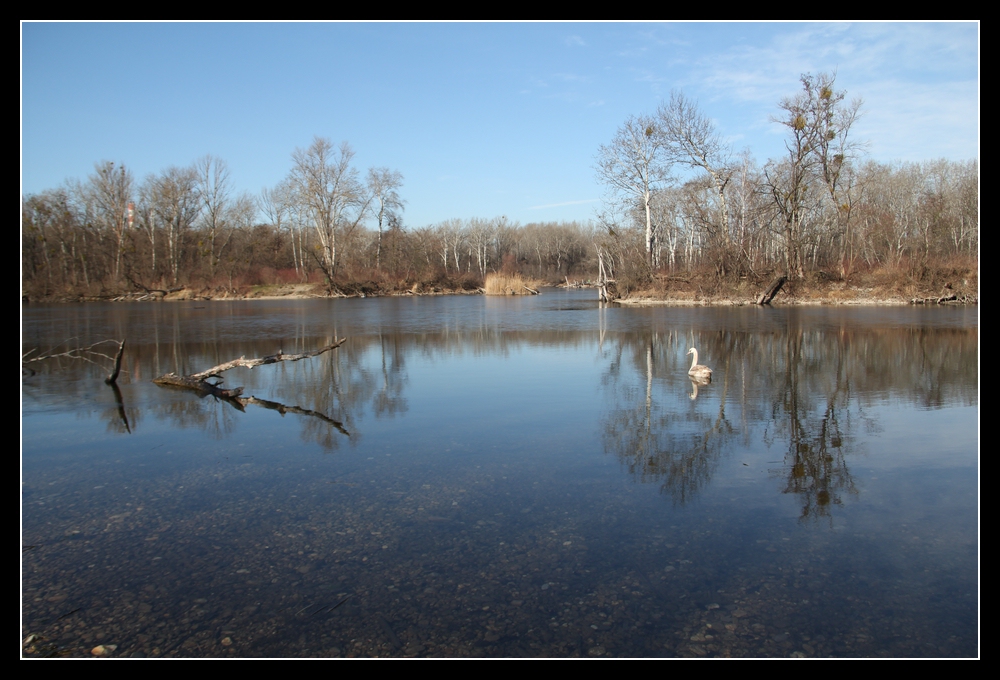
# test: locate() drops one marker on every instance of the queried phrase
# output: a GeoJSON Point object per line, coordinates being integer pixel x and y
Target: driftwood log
{"type": "Point", "coordinates": [199, 381]}
{"type": "Point", "coordinates": [772, 290]}
{"type": "Point", "coordinates": [944, 299]}
{"type": "Point", "coordinates": [947, 295]}
{"type": "Point", "coordinates": [153, 292]}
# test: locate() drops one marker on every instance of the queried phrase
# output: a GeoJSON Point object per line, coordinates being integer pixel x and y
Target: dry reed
{"type": "Point", "coordinates": [510, 284]}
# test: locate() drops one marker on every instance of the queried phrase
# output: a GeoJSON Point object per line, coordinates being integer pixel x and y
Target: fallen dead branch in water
{"type": "Point", "coordinates": [199, 382]}
{"type": "Point", "coordinates": [88, 354]}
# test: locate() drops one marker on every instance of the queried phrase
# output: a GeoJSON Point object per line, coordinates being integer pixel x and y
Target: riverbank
{"type": "Point", "coordinates": [462, 285]}
{"type": "Point", "coordinates": [853, 297]}
{"type": "Point", "coordinates": [942, 285]}
{"type": "Point", "coordinates": [308, 290]}
{"type": "Point", "coordinates": [926, 285]}
{"type": "Point", "coordinates": [857, 297]}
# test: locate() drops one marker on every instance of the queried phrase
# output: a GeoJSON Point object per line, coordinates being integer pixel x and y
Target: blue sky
{"type": "Point", "coordinates": [482, 119]}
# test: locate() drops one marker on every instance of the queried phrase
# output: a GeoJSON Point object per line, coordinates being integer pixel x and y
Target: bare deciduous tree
{"type": "Point", "coordinates": [246, 242]}
{"type": "Point", "coordinates": [215, 190]}
{"type": "Point", "coordinates": [110, 189]}
{"type": "Point", "coordinates": [278, 207]}
{"type": "Point", "coordinates": [691, 139]}
{"type": "Point", "coordinates": [634, 166]}
{"type": "Point", "coordinates": [328, 190]}
{"type": "Point", "coordinates": [819, 123]}
{"type": "Point", "coordinates": [384, 184]}
{"type": "Point", "coordinates": [171, 202]}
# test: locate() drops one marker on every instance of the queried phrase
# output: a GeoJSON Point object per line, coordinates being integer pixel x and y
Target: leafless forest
{"type": "Point", "coordinates": [682, 208]}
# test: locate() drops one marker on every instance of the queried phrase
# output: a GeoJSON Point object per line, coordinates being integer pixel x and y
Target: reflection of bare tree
{"type": "Point", "coordinates": [801, 388]}
{"type": "Point", "coordinates": [809, 420]}
{"type": "Point", "coordinates": [817, 467]}
{"type": "Point", "coordinates": [389, 400]}
{"type": "Point", "coordinates": [215, 417]}
{"type": "Point", "coordinates": [655, 432]}
{"type": "Point", "coordinates": [337, 385]}
{"type": "Point", "coordinates": [349, 384]}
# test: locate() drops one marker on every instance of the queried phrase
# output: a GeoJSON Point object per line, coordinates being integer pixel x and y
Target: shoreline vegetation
{"type": "Point", "coordinates": [954, 284]}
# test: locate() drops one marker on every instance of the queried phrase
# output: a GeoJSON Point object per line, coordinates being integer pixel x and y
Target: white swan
{"type": "Point", "coordinates": [698, 371]}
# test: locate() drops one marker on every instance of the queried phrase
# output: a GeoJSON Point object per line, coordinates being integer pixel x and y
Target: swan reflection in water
{"type": "Point", "coordinates": [695, 382]}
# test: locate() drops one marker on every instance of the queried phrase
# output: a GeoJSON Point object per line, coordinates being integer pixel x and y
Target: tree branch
{"type": "Point", "coordinates": [84, 353]}
{"type": "Point", "coordinates": [198, 381]}
{"type": "Point", "coordinates": [273, 359]}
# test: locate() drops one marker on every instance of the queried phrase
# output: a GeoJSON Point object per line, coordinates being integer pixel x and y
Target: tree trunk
{"type": "Point", "coordinates": [772, 290]}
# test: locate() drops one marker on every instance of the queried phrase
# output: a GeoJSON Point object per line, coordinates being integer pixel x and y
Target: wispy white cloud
{"type": "Point", "coordinates": [919, 81]}
{"type": "Point", "coordinates": [569, 96]}
{"type": "Point", "coordinates": [643, 75]}
{"type": "Point", "coordinates": [919, 122]}
{"type": "Point", "coordinates": [574, 41]}
{"type": "Point", "coordinates": [763, 71]}
{"type": "Point", "coordinates": [564, 203]}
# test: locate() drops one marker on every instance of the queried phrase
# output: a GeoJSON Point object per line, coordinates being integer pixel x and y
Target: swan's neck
{"type": "Point", "coordinates": [694, 358]}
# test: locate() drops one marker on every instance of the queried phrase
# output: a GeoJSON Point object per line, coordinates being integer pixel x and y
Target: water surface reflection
{"type": "Point", "coordinates": [508, 478]}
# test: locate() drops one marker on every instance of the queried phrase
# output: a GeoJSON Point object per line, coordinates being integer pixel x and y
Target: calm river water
{"type": "Point", "coordinates": [510, 477]}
